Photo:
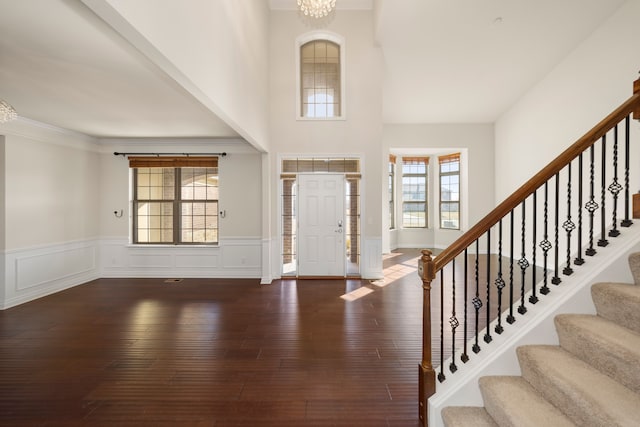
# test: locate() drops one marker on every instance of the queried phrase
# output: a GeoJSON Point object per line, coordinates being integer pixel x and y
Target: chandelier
{"type": "Point", "coordinates": [316, 8]}
{"type": "Point", "coordinates": [7, 112]}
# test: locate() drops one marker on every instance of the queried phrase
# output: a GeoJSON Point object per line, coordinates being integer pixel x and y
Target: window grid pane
{"type": "Point", "coordinates": [199, 222]}
{"type": "Point", "coordinates": [155, 184]}
{"type": "Point", "coordinates": [154, 222]}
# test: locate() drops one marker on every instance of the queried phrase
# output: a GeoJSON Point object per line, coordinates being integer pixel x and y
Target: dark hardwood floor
{"type": "Point", "coordinates": [216, 352]}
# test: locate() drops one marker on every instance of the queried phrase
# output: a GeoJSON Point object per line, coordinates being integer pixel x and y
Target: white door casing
{"type": "Point", "coordinates": [321, 247]}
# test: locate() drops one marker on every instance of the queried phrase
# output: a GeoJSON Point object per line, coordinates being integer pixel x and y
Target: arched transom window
{"type": "Point", "coordinates": [320, 80]}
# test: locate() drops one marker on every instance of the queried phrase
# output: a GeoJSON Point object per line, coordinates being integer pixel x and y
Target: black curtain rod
{"type": "Point", "coordinates": [115, 153]}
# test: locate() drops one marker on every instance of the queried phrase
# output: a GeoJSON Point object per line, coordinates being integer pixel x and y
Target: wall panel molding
{"type": "Point", "coordinates": [232, 258]}
{"type": "Point", "coordinates": [34, 272]}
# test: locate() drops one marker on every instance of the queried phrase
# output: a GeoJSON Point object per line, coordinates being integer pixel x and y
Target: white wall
{"type": "Point", "coordinates": [217, 50]}
{"type": "Point", "coordinates": [475, 141]}
{"type": "Point", "coordinates": [579, 92]}
{"type": "Point", "coordinates": [51, 193]}
{"type": "Point", "coordinates": [51, 208]}
{"type": "Point", "coordinates": [359, 134]}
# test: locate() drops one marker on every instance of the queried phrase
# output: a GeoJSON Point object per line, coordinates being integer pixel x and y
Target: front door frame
{"type": "Point", "coordinates": [289, 269]}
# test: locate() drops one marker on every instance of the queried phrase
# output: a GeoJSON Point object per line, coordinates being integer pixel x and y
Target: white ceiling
{"type": "Point", "coordinates": [445, 61]}
{"type": "Point", "coordinates": [468, 61]}
{"type": "Point", "coordinates": [62, 65]}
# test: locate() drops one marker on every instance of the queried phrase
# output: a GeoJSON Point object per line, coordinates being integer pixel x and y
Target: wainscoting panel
{"type": "Point", "coordinates": [232, 258]}
{"type": "Point", "coordinates": [371, 259]}
{"type": "Point", "coordinates": [31, 273]}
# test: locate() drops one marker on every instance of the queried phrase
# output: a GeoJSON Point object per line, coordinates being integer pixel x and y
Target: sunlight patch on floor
{"type": "Point", "coordinates": [381, 283]}
{"type": "Point", "coordinates": [358, 293]}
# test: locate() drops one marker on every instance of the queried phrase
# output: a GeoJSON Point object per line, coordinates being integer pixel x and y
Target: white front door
{"type": "Point", "coordinates": [321, 250]}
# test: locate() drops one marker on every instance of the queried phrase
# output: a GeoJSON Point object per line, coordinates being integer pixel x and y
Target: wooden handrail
{"type": "Point", "coordinates": [632, 105]}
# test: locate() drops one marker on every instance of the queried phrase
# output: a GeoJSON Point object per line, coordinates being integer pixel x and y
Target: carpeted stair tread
{"type": "Point", "coordinates": [586, 396]}
{"type": "Point", "coordinates": [607, 346]}
{"type": "Point", "coordinates": [466, 416]}
{"type": "Point", "coordinates": [512, 401]}
{"type": "Point", "coordinates": [618, 302]}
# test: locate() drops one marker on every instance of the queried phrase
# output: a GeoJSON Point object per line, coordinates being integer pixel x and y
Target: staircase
{"type": "Point", "coordinates": [591, 379]}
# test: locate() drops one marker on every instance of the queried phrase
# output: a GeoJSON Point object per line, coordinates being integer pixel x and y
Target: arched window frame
{"type": "Point", "coordinates": [340, 41]}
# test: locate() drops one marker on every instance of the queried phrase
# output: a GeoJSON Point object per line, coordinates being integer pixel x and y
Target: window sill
{"type": "Point", "coordinates": [321, 119]}
{"type": "Point", "coordinates": [167, 246]}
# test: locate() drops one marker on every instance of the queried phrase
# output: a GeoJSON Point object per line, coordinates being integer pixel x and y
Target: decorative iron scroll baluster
{"type": "Point", "coordinates": [626, 222]}
{"type": "Point", "coordinates": [499, 281]}
{"type": "Point", "coordinates": [591, 205]}
{"type": "Point", "coordinates": [534, 298]}
{"type": "Point", "coordinates": [487, 335]}
{"type": "Point", "coordinates": [464, 357]}
{"type": "Point", "coordinates": [441, 376]}
{"type": "Point", "coordinates": [568, 225]}
{"type": "Point", "coordinates": [453, 320]}
{"type": "Point", "coordinates": [477, 303]}
{"type": "Point", "coordinates": [545, 245]}
{"type": "Point", "coordinates": [615, 188]}
{"type": "Point", "coordinates": [510, 317]}
{"type": "Point", "coordinates": [522, 262]}
{"type": "Point", "coordinates": [579, 260]}
{"type": "Point", "coordinates": [556, 275]}
{"type": "Point", "coordinates": [603, 190]}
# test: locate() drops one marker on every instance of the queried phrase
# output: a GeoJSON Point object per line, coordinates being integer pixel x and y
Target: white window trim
{"type": "Point", "coordinates": [339, 40]}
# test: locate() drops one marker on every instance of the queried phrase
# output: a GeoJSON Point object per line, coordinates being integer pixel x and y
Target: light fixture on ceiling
{"type": "Point", "coordinates": [7, 112]}
{"type": "Point", "coordinates": [316, 8]}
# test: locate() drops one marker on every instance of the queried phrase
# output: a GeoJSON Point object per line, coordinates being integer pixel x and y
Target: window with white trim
{"type": "Point", "coordinates": [320, 81]}
{"type": "Point", "coordinates": [414, 191]}
{"type": "Point", "coordinates": [450, 191]}
{"type": "Point", "coordinates": [392, 191]}
{"type": "Point", "coordinates": [175, 200]}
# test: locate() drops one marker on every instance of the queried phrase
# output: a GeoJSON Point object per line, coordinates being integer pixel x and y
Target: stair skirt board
{"type": "Point", "coordinates": [536, 327]}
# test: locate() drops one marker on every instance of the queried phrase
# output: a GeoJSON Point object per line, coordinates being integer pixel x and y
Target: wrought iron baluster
{"type": "Point", "coordinates": [441, 376]}
{"type": "Point", "coordinates": [499, 281]}
{"type": "Point", "coordinates": [603, 190]}
{"type": "Point", "coordinates": [626, 222]}
{"type": "Point", "coordinates": [453, 320]}
{"type": "Point", "coordinates": [487, 335]}
{"type": "Point", "coordinates": [568, 225]}
{"type": "Point", "coordinates": [477, 303]}
{"type": "Point", "coordinates": [556, 276]}
{"type": "Point", "coordinates": [579, 260]}
{"type": "Point", "coordinates": [522, 262]}
{"type": "Point", "coordinates": [591, 205]}
{"type": "Point", "coordinates": [545, 245]}
{"type": "Point", "coordinates": [510, 317]}
{"type": "Point", "coordinates": [534, 298]}
{"type": "Point", "coordinates": [464, 357]}
{"type": "Point", "coordinates": [615, 188]}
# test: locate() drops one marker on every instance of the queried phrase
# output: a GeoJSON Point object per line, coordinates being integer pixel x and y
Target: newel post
{"type": "Point", "coordinates": [427, 378]}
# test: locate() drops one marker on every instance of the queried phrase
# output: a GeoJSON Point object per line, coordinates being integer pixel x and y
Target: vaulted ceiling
{"type": "Point", "coordinates": [445, 61]}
